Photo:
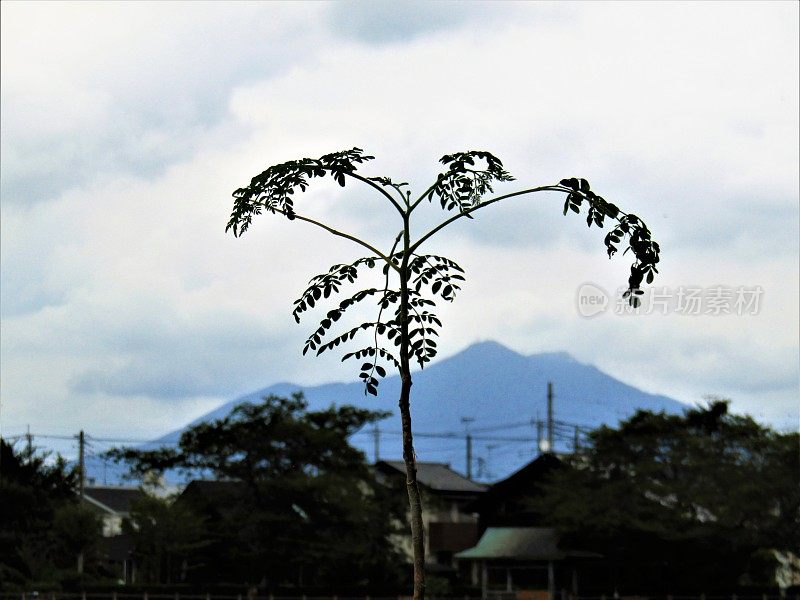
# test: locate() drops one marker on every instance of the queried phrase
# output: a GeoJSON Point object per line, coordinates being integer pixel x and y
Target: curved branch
{"type": "Point", "coordinates": [347, 236]}
{"type": "Point", "coordinates": [422, 197]}
{"type": "Point", "coordinates": [443, 224]}
{"type": "Point", "coordinates": [379, 188]}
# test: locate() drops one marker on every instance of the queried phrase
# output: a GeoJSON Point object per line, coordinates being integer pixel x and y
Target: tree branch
{"type": "Point", "coordinates": [347, 236]}
{"type": "Point", "coordinates": [379, 188]}
{"type": "Point", "coordinates": [443, 224]}
{"type": "Point", "coordinates": [421, 198]}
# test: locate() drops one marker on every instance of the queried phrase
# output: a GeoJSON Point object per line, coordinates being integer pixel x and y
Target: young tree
{"type": "Point", "coordinates": [404, 328]}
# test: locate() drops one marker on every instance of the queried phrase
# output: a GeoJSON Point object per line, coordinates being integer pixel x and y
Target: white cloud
{"type": "Point", "coordinates": [120, 287]}
{"type": "Point", "coordinates": [91, 88]}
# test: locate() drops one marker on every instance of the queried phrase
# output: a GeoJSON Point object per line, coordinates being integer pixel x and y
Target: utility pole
{"type": "Point", "coordinates": [576, 444]}
{"type": "Point", "coordinates": [81, 463]}
{"type": "Point", "coordinates": [82, 478]}
{"type": "Point", "coordinates": [466, 421]}
{"type": "Point", "coordinates": [29, 439]}
{"type": "Point", "coordinates": [550, 416]}
{"type": "Point", "coordinates": [376, 438]}
{"type": "Point", "coordinates": [469, 456]}
{"type": "Point", "coordinates": [488, 461]}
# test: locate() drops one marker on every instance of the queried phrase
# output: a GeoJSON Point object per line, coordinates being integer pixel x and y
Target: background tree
{"type": "Point", "coordinates": [165, 534]}
{"type": "Point", "coordinates": [681, 502]}
{"type": "Point", "coordinates": [404, 329]}
{"type": "Point", "coordinates": [42, 526]}
{"type": "Point", "coordinates": [293, 501]}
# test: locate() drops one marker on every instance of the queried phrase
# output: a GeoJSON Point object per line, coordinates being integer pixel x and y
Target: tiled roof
{"type": "Point", "coordinates": [520, 543]}
{"type": "Point", "coordinates": [438, 476]}
{"type": "Point", "coordinates": [520, 482]}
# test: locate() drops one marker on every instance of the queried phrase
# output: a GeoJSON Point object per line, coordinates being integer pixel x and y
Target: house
{"type": "Point", "coordinates": [526, 561]}
{"type": "Point", "coordinates": [114, 504]}
{"type": "Point", "coordinates": [508, 502]}
{"type": "Point", "coordinates": [518, 551]}
{"type": "Point", "coordinates": [450, 526]}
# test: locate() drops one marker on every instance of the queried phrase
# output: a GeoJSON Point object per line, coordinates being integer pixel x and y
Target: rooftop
{"type": "Point", "coordinates": [519, 543]}
{"type": "Point", "coordinates": [437, 476]}
{"type": "Point", "coordinates": [116, 498]}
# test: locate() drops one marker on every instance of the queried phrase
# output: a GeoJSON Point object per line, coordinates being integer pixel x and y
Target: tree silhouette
{"type": "Point", "coordinates": [656, 492]}
{"type": "Point", "coordinates": [288, 478]}
{"type": "Point", "coordinates": [404, 328]}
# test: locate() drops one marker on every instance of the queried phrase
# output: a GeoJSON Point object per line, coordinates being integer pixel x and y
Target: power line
{"type": "Point", "coordinates": [133, 441]}
{"type": "Point", "coordinates": [562, 430]}
{"type": "Point", "coordinates": [39, 435]}
{"type": "Point", "coordinates": [371, 433]}
{"type": "Point", "coordinates": [502, 426]}
{"type": "Point", "coordinates": [557, 423]}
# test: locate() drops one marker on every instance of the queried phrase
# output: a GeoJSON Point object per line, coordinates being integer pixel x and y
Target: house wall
{"type": "Point", "coordinates": [112, 522]}
{"type": "Point", "coordinates": [448, 529]}
{"type": "Point", "coordinates": [112, 525]}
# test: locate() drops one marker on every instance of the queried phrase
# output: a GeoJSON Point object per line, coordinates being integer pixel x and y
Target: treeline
{"type": "Point", "coordinates": [290, 502]}
{"type": "Point", "coordinates": [287, 501]}
{"type": "Point", "coordinates": [44, 531]}
{"type": "Point", "coordinates": [695, 502]}
{"type": "Point", "coordinates": [703, 501]}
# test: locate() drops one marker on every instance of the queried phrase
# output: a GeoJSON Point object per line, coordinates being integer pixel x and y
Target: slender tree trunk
{"type": "Point", "coordinates": [414, 500]}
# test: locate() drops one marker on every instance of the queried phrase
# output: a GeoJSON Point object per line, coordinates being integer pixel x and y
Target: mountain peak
{"type": "Point", "coordinates": [486, 382]}
{"type": "Point", "coordinates": [491, 352]}
{"type": "Point", "coordinates": [554, 356]}
{"type": "Point", "coordinates": [487, 348]}
{"type": "Point", "coordinates": [479, 357]}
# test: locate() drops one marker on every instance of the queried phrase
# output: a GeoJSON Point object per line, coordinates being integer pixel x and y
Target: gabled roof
{"type": "Point", "coordinates": [520, 543]}
{"type": "Point", "coordinates": [534, 470]}
{"type": "Point", "coordinates": [435, 476]}
{"type": "Point", "coordinates": [115, 499]}
{"type": "Point", "coordinates": [520, 481]}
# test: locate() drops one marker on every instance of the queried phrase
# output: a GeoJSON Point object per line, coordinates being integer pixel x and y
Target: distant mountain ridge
{"type": "Point", "coordinates": [490, 383]}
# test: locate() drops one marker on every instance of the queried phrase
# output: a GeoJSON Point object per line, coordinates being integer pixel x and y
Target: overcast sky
{"type": "Point", "coordinates": [126, 309]}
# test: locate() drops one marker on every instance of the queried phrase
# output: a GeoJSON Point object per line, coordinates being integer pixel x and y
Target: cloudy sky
{"type": "Point", "coordinates": [127, 310]}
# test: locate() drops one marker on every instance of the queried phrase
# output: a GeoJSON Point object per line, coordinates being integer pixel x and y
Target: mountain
{"type": "Point", "coordinates": [491, 384]}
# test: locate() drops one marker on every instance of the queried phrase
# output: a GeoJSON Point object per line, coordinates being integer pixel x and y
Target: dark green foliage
{"type": "Point", "coordinates": [697, 498]}
{"type": "Point", "coordinates": [439, 274]}
{"type": "Point", "coordinates": [293, 501]}
{"type": "Point", "coordinates": [645, 250]}
{"type": "Point", "coordinates": [461, 188]}
{"type": "Point", "coordinates": [464, 184]}
{"type": "Point", "coordinates": [272, 190]}
{"type": "Point", "coordinates": [42, 526]}
{"type": "Point", "coordinates": [164, 533]}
